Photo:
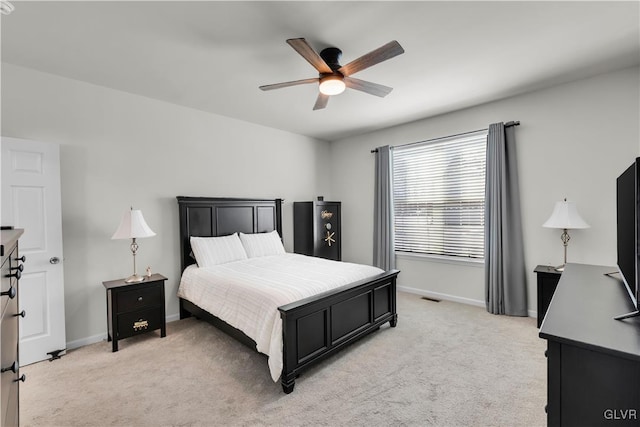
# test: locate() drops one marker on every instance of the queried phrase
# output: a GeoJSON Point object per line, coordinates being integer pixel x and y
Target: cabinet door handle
{"type": "Point", "coordinates": [140, 298]}
{"type": "Point", "coordinates": [14, 368]}
{"type": "Point", "coordinates": [11, 293]}
{"type": "Point", "coordinates": [17, 274]}
{"type": "Point", "coordinates": [21, 314]}
{"type": "Point", "coordinates": [22, 378]}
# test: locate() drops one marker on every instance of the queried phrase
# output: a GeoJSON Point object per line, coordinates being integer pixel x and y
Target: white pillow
{"type": "Point", "coordinates": [262, 244]}
{"type": "Point", "coordinates": [210, 251]}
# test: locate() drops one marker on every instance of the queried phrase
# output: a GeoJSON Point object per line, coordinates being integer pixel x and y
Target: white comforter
{"type": "Point", "coordinates": [246, 294]}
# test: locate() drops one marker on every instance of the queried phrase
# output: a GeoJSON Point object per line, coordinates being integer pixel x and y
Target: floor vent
{"type": "Point", "coordinates": [431, 299]}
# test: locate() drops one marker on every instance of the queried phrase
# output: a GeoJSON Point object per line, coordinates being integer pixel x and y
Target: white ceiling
{"type": "Point", "coordinates": [212, 56]}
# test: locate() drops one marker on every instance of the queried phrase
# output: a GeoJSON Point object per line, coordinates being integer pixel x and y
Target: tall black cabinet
{"type": "Point", "coordinates": [317, 230]}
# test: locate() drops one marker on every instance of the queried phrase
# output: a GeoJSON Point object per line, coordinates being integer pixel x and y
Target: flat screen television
{"type": "Point", "coordinates": [628, 230]}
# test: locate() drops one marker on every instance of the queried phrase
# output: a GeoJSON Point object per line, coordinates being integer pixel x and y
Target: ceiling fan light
{"type": "Point", "coordinates": [332, 85]}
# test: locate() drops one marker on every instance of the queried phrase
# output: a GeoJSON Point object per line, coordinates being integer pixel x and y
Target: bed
{"type": "Point", "coordinates": [312, 328]}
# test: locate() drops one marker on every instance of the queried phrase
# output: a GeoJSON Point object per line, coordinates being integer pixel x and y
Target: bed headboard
{"type": "Point", "coordinates": [215, 216]}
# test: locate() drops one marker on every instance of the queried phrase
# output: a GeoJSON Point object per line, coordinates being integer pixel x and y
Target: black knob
{"type": "Point", "coordinates": [11, 293]}
{"type": "Point", "coordinates": [22, 258]}
{"type": "Point", "coordinates": [22, 378]}
{"type": "Point", "coordinates": [19, 268]}
{"type": "Point", "coordinates": [21, 314]}
{"type": "Point", "coordinates": [13, 368]}
{"type": "Point", "coordinates": [17, 274]}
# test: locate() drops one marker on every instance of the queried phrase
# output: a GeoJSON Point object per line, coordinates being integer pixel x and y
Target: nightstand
{"type": "Point", "coordinates": [135, 308]}
{"type": "Point", "coordinates": [548, 278]}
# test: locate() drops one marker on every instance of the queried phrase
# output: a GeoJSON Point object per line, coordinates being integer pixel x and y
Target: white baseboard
{"type": "Point", "coordinates": [86, 341]}
{"type": "Point", "coordinates": [453, 298]}
{"type": "Point", "coordinates": [102, 337]}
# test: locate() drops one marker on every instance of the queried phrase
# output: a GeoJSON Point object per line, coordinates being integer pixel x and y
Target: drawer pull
{"type": "Point", "coordinates": [17, 274]}
{"type": "Point", "coordinates": [21, 314]}
{"type": "Point", "coordinates": [13, 368]}
{"type": "Point", "coordinates": [140, 299]}
{"type": "Point", "coordinates": [140, 325]}
{"type": "Point", "coordinates": [22, 378]}
{"type": "Point", "coordinates": [11, 292]}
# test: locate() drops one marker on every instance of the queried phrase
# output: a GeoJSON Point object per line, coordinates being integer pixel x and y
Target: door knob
{"type": "Point", "coordinates": [54, 260]}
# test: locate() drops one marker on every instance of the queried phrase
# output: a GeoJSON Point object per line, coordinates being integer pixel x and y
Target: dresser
{"type": "Point", "coordinates": [593, 361]}
{"type": "Point", "coordinates": [9, 332]}
{"type": "Point", "coordinates": [135, 308]}
{"type": "Point", "coordinates": [317, 230]}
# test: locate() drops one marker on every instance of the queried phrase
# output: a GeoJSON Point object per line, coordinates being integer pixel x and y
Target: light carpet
{"type": "Point", "coordinates": [445, 364]}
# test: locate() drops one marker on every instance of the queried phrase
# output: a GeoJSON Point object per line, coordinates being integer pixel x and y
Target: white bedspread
{"type": "Point", "coordinates": [246, 294]}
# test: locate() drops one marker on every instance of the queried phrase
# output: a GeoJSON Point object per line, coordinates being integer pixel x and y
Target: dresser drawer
{"type": "Point", "coordinates": [9, 338]}
{"type": "Point", "coordinates": [139, 298]}
{"type": "Point", "coordinates": [9, 345]}
{"type": "Point", "coordinates": [139, 322]}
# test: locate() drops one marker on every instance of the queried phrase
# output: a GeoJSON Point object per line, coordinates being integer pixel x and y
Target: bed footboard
{"type": "Point", "coordinates": [317, 327]}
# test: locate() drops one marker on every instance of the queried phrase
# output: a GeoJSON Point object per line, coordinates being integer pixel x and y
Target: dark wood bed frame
{"type": "Point", "coordinates": [313, 328]}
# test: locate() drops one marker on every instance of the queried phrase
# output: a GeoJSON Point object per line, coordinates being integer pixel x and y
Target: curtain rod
{"type": "Point", "coordinates": [508, 124]}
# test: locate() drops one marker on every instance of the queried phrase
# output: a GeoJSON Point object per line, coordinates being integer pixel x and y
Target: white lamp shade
{"type": "Point", "coordinates": [132, 226]}
{"type": "Point", "coordinates": [565, 215]}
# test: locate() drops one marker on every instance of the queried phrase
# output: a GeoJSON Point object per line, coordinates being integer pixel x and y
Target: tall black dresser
{"type": "Point", "coordinates": [10, 366]}
{"type": "Point", "coordinates": [317, 230]}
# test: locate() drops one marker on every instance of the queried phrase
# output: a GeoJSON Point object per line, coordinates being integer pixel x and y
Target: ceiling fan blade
{"type": "Point", "coordinates": [368, 87]}
{"type": "Point", "coordinates": [321, 101]}
{"type": "Point", "coordinates": [302, 47]}
{"type": "Point", "coordinates": [287, 84]}
{"type": "Point", "coordinates": [374, 57]}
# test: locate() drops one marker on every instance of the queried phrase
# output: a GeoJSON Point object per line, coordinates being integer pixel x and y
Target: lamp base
{"type": "Point", "coordinates": [134, 279]}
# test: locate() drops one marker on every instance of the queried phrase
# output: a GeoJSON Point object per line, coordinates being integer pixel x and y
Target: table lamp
{"type": "Point", "coordinates": [565, 216]}
{"type": "Point", "coordinates": [133, 226]}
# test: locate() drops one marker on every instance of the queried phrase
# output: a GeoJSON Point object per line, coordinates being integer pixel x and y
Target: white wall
{"type": "Point", "coordinates": [573, 141]}
{"type": "Point", "coordinates": [120, 150]}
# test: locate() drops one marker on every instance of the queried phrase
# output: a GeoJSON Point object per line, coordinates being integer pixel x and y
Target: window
{"type": "Point", "coordinates": [438, 196]}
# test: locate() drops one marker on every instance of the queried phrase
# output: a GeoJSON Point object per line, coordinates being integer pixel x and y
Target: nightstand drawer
{"type": "Point", "coordinates": [139, 322]}
{"type": "Point", "coordinates": [135, 299]}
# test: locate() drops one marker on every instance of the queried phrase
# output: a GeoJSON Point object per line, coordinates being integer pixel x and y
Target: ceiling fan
{"type": "Point", "coordinates": [334, 78]}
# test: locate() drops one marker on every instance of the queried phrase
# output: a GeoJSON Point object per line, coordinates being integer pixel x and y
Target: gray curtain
{"type": "Point", "coordinates": [505, 277]}
{"type": "Point", "coordinates": [383, 247]}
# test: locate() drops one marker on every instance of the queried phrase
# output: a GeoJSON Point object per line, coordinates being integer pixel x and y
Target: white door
{"type": "Point", "coordinates": [31, 200]}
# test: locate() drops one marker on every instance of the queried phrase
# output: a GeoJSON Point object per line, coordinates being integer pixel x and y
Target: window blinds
{"type": "Point", "coordinates": [438, 196]}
